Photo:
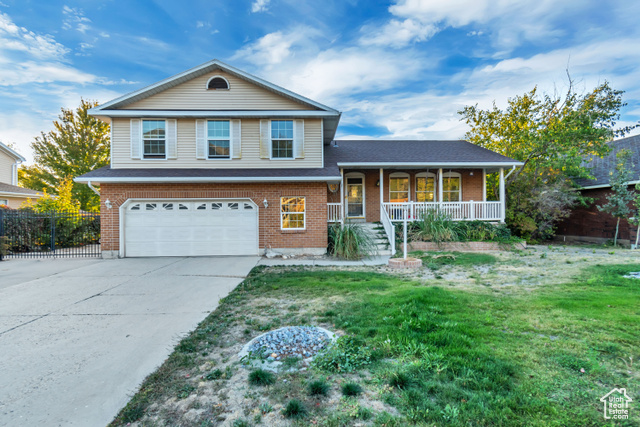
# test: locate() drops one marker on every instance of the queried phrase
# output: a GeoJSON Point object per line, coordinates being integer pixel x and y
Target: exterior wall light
{"type": "Point", "coordinates": [107, 203]}
{"type": "Point", "coordinates": [265, 203]}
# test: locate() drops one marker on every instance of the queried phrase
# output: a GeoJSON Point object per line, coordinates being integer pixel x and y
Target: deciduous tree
{"type": "Point", "coordinates": [78, 144]}
{"type": "Point", "coordinates": [620, 196]}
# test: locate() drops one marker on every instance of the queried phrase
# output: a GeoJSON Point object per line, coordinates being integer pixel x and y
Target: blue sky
{"type": "Point", "coordinates": [399, 69]}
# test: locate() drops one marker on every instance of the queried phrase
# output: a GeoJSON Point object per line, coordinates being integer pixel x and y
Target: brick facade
{"type": "Point", "coordinates": [589, 224]}
{"type": "Point", "coordinates": [471, 187]}
{"type": "Point", "coordinates": [270, 234]}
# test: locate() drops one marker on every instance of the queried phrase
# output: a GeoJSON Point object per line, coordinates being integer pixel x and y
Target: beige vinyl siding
{"type": "Point", "coordinates": [6, 167]}
{"type": "Point", "coordinates": [193, 95]}
{"type": "Point", "coordinates": [16, 202]}
{"type": "Point", "coordinates": [250, 147]}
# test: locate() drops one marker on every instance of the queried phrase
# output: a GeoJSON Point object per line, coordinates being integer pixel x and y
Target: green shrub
{"type": "Point", "coordinates": [260, 377]}
{"type": "Point", "coordinates": [349, 241]}
{"type": "Point", "coordinates": [346, 355]}
{"type": "Point", "coordinates": [351, 389]}
{"type": "Point", "coordinates": [294, 409]}
{"type": "Point", "coordinates": [318, 388]}
{"type": "Point", "coordinates": [435, 227]}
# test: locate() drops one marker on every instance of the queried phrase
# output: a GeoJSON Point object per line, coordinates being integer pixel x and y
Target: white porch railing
{"type": "Point", "coordinates": [334, 212]}
{"type": "Point", "coordinates": [389, 229]}
{"type": "Point", "coordinates": [458, 211]}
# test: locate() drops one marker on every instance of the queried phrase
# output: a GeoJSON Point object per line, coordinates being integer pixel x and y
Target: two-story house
{"type": "Point", "coordinates": [215, 161]}
{"type": "Point", "coordinates": [10, 194]}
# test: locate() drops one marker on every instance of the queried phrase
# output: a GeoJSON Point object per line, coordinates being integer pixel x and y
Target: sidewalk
{"type": "Point", "coordinates": [376, 260]}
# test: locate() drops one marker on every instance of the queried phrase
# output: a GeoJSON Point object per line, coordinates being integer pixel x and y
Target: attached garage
{"type": "Point", "coordinates": [189, 227]}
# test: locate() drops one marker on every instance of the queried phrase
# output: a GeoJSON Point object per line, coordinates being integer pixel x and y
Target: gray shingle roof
{"type": "Point", "coordinates": [429, 151]}
{"type": "Point", "coordinates": [8, 188]}
{"type": "Point", "coordinates": [600, 167]}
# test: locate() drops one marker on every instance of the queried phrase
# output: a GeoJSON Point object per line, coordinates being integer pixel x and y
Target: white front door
{"type": "Point", "coordinates": [190, 228]}
{"type": "Point", "coordinates": [355, 196]}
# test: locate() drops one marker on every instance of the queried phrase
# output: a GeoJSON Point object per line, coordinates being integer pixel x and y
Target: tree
{"type": "Point", "coordinates": [635, 219]}
{"type": "Point", "coordinates": [620, 196]}
{"type": "Point", "coordinates": [552, 136]}
{"type": "Point", "coordinates": [78, 144]}
{"type": "Point", "coordinates": [63, 202]}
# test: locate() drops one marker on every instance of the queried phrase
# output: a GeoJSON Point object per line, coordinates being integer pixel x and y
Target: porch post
{"type": "Point", "coordinates": [381, 191]}
{"type": "Point", "coordinates": [440, 186]}
{"type": "Point", "coordinates": [484, 184]}
{"type": "Point", "coordinates": [503, 201]}
{"type": "Point", "coordinates": [341, 196]}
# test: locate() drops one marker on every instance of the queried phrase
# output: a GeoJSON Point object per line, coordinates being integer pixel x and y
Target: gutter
{"type": "Point", "coordinates": [430, 164]}
{"type": "Point", "coordinates": [183, 179]}
{"type": "Point", "coordinates": [213, 113]}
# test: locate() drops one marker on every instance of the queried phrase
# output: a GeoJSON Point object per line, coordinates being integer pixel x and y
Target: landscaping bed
{"type": "Point", "coordinates": [531, 337]}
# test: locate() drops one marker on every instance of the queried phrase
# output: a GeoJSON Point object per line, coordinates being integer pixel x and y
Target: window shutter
{"type": "Point", "coordinates": [201, 139]}
{"type": "Point", "coordinates": [172, 139]}
{"type": "Point", "coordinates": [298, 139]}
{"type": "Point", "coordinates": [265, 139]}
{"type": "Point", "coordinates": [236, 138]}
{"type": "Point", "coordinates": [136, 138]}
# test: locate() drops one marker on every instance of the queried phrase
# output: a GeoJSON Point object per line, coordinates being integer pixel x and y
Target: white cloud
{"type": "Point", "coordinates": [203, 24]}
{"type": "Point", "coordinates": [398, 33]}
{"type": "Point", "coordinates": [274, 48]}
{"type": "Point", "coordinates": [42, 72]}
{"type": "Point", "coordinates": [74, 18]}
{"type": "Point", "coordinates": [260, 6]}
{"type": "Point", "coordinates": [19, 39]}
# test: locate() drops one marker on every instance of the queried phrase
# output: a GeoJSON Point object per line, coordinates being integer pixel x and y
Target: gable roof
{"type": "Point", "coordinates": [11, 153]}
{"type": "Point", "coordinates": [113, 108]}
{"type": "Point", "coordinates": [602, 166]}
{"type": "Point", "coordinates": [414, 153]}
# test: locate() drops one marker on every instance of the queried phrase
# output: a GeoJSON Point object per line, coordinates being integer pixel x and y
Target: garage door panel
{"type": "Point", "coordinates": [215, 229]}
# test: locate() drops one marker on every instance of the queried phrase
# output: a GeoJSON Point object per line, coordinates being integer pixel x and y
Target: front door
{"type": "Point", "coordinates": [355, 197]}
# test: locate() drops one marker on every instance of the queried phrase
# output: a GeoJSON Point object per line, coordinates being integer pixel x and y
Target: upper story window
{"type": "Point", "coordinates": [218, 139]}
{"type": "Point", "coordinates": [217, 83]}
{"type": "Point", "coordinates": [425, 187]}
{"type": "Point", "coordinates": [154, 139]}
{"type": "Point", "coordinates": [282, 139]}
{"type": "Point", "coordinates": [399, 187]}
{"type": "Point", "coordinates": [451, 187]}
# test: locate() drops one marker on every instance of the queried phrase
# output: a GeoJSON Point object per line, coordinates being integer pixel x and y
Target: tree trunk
{"type": "Point", "coordinates": [637, 235]}
{"type": "Point", "coordinates": [615, 239]}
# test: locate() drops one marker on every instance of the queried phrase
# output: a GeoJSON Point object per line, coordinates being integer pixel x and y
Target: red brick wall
{"type": "Point", "coordinates": [315, 235]}
{"type": "Point", "coordinates": [471, 188]}
{"type": "Point", "coordinates": [590, 222]}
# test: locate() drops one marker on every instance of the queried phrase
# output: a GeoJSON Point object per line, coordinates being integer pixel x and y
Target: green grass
{"type": "Point", "coordinates": [465, 259]}
{"type": "Point", "coordinates": [443, 356]}
{"type": "Point", "coordinates": [260, 377]}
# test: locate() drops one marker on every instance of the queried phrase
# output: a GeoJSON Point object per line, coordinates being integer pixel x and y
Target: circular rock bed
{"type": "Point", "coordinates": [270, 349]}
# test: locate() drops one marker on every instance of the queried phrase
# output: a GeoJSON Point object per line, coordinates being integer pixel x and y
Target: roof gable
{"type": "Point", "coordinates": [9, 152]}
{"type": "Point", "coordinates": [209, 68]}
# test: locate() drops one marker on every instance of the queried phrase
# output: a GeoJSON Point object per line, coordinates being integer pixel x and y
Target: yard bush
{"type": "Point", "coordinates": [349, 241]}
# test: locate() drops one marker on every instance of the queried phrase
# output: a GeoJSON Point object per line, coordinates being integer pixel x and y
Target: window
{"type": "Point", "coordinates": [282, 139]}
{"type": "Point", "coordinates": [218, 139]}
{"type": "Point", "coordinates": [217, 83]}
{"type": "Point", "coordinates": [292, 213]}
{"type": "Point", "coordinates": [154, 139]}
{"type": "Point", "coordinates": [399, 188]}
{"type": "Point", "coordinates": [451, 187]}
{"type": "Point", "coordinates": [4, 202]}
{"type": "Point", "coordinates": [425, 187]}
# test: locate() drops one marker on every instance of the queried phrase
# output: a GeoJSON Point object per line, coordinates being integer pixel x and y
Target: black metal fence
{"type": "Point", "coordinates": [27, 234]}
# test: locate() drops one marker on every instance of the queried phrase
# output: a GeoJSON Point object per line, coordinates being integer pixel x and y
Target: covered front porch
{"type": "Point", "coordinates": [393, 195]}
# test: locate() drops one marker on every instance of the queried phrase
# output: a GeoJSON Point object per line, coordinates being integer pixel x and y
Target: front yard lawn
{"type": "Point", "coordinates": [417, 352]}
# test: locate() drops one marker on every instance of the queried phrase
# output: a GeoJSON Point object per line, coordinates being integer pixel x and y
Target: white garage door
{"type": "Point", "coordinates": [188, 228]}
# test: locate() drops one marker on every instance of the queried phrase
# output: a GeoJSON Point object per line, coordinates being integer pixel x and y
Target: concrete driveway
{"type": "Point", "coordinates": [77, 336]}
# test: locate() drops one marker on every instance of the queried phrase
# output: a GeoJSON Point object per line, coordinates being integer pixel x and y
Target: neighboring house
{"type": "Point", "coordinates": [589, 224]}
{"type": "Point", "coordinates": [10, 194]}
{"type": "Point", "coordinates": [214, 161]}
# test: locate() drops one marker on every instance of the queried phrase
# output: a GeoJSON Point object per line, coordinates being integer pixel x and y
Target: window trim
{"type": "Point", "coordinates": [217, 77]}
{"type": "Point", "coordinates": [219, 159]}
{"type": "Point", "coordinates": [446, 175]}
{"type": "Point", "coordinates": [400, 175]}
{"type": "Point", "coordinates": [142, 139]}
{"type": "Point", "coordinates": [304, 214]}
{"type": "Point", "coordinates": [435, 185]}
{"type": "Point", "coordinates": [293, 140]}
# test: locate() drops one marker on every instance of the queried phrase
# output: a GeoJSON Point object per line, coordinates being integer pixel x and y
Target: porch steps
{"type": "Point", "coordinates": [376, 231]}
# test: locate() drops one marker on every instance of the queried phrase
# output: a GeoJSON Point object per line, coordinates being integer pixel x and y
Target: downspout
{"type": "Point", "coordinates": [93, 188]}
{"type": "Point", "coordinates": [510, 172]}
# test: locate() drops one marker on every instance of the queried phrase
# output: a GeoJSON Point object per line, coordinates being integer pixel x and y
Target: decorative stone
{"type": "Point", "coordinates": [405, 263]}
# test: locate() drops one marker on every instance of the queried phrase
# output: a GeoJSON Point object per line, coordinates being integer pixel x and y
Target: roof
{"type": "Point", "coordinates": [7, 189]}
{"type": "Point", "coordinates": [12, 153]}
{"type": "Point", "coordinates": [413, 153]}
{"type": "Point", "coordinates": [111, 108]}
{"type": "Point", "coordinates": [141, 175]}
{"type": "Point", "coordinates": [602, 166]}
